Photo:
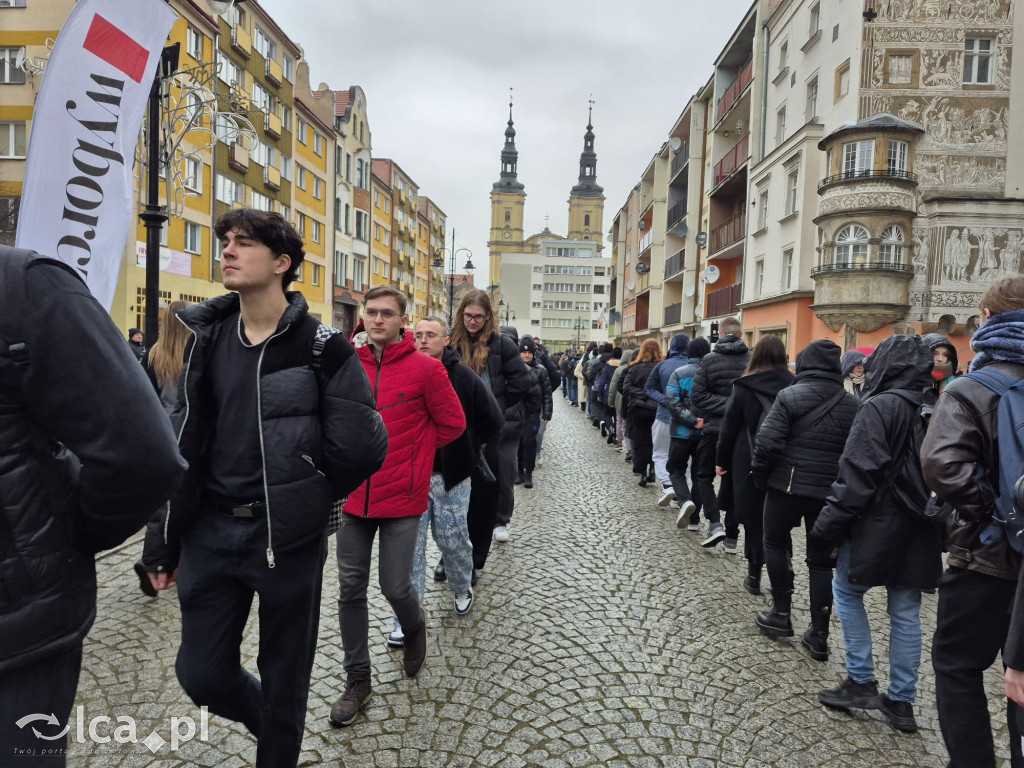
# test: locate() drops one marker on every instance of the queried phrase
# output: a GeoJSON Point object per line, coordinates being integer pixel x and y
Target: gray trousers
{"type": "Point", "coordinates": [355, 545]}
{"type": "Point", "coordinates": [508, 459]}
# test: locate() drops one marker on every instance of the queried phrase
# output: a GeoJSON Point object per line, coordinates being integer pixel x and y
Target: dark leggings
{"type": "Point", "coordinates": [641, 422]}
{"type": "Point", "coordinates": [782, 513]}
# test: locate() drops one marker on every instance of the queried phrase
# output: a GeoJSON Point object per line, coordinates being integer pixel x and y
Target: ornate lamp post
{"type": "Point", "coordinates": [508, 311]}
{"type": "Point", "coordinates": [577, 327]}
{"type": "Point", "coordinates": [438, 263]}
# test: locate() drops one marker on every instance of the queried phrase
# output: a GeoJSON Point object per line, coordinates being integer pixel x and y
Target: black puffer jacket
{"type": "Point", "coordinates": [519, 373]}
{"type": "Point", "coordinates": [539, 404]}
{"type": "Point", "coordinates": [86, 454]}
{"type": "Point", "coordinates": [322, 435]}
{"type": "Point", "coordinates": [713, 383]}
{"type": "Point", "coordinates": [889, 546]}
{"type": "Point", "coordinates": [506, 372]}
{"type": "Point", "coordinates": [806, 464]}
{"type": "Point", "coordinates": [633, 385]}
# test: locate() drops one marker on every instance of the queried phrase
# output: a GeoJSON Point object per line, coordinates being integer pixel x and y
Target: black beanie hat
{"type": "Point", "coordinates": [528, 345]}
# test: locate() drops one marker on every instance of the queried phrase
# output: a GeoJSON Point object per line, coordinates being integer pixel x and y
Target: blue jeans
{"type": "Point", "coordinates": [904, 608]}
{"type": "Point", "coordinates": [574, 390]}
{"type": "Point", "coordinates": [540, 435]}
{"type": "Point", "coordinates": [446, 518]}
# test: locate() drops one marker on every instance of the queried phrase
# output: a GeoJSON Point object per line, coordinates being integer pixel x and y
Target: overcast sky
{"type": "Point", "coordinates": [436, 75]}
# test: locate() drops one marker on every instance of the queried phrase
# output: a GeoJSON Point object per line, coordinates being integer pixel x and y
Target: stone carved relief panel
{"type": "Point", "coordinates": [862, 200]}
{"type": "Point", "coordinates": [944, 10]}
{"type": "Point", "coordinates": [961, 171]}
{"type": "Point", "coordinates": [973, 256]}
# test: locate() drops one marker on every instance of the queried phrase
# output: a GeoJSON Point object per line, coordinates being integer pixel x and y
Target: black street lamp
{"type": "Point", "coordinates": [508, 310]}
{"type": "Point", "coordinates": [438, 263]}
{"type": "Point", "coordinates": [577, 328]}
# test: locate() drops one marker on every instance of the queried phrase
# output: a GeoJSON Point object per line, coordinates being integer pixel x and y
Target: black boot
{"type": "Point", "coordinates": [650, 474]}
{"type": "Point", "coordinates": [752, 582]}
{"type": "Point", "coordinates": [776, 622]}
{"type": "Point", "coordinates": [643, 480]}
{"type": "Point", "coordinates": [528, 480]}
{"type": "Point", "coordinates": [815, 639]}
{"type": "Point", "coordinates": [604, 430]}
{"type": "Point", "coordinates": [519, 477]}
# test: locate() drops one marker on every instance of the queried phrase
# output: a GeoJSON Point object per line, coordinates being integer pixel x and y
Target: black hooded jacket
{"type": "Point", "coordinates": [713, 383]}
{"type": "Point", "coordinates": [743, 412]}
{"type": "Point", "coordinates": [889, 545]}
{"type": "Point", "coordinates": [806, 463]}
{"type": "Point", "coordinates": [527, 384]}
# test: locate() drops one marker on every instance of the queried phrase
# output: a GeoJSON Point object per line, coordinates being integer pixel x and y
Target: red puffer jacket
{"type": "Point", "coordinates": [422, 413]}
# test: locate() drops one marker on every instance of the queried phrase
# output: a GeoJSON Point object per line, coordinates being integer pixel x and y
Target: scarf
{"type": "Point", "coordinates": [1001, 337]}
{"type": "Point", "coordinates": [858, 381]}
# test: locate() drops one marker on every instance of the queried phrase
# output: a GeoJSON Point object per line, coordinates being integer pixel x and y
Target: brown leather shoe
{"type": "Point", "coordinates": [415, 647]}
{"type": "Point", "coordinates": [346, 708]}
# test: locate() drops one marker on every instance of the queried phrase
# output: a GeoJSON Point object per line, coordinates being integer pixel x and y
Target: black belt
{"type": "Point", "coordinates": [253, 509]}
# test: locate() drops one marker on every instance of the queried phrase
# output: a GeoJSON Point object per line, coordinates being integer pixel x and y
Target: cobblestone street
{"type": "Point", "coordinates": [600, 636]}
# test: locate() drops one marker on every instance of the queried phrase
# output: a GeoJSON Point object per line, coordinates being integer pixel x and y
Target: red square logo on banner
{"type": "Point", "coordinates": [116, 48]}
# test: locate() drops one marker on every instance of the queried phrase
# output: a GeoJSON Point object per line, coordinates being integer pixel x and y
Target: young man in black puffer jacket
{"type": "Point", "coordinates": [538, 407]}
{"type": "Point", "coordinates": [796, 456]}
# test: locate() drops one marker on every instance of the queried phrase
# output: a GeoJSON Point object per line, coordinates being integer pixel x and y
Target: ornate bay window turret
{"type": "Point", "coordinates": [866, 208]}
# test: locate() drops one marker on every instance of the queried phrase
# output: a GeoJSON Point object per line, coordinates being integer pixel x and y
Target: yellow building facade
{"type": "Point", "coordinates": [380, 226]}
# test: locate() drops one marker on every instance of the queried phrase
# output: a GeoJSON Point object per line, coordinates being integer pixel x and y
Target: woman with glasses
{"type": "Point", "coordinates": [480, 344]}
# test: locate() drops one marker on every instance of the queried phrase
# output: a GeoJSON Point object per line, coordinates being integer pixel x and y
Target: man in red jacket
{"type": "Point", "coordinates": [422, 413]}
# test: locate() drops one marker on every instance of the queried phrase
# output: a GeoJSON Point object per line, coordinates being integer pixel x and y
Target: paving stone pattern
{"type": "Point", "coordinates": [600, 636]}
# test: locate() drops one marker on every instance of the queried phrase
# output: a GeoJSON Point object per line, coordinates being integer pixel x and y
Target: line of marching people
{"type": "Point", "coordinates": [886, 457]}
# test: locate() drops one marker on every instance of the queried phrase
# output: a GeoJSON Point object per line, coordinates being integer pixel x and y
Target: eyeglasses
{"type": "Point", "coordinates": [386, 314]}
{"type": "Point", "coordinates": [473, 318]}
{"type": "Point", "coordinates": [426, 336]}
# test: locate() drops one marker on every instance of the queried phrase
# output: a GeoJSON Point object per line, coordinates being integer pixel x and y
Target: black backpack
{"type": "Point", "coordinates": [906, 481]}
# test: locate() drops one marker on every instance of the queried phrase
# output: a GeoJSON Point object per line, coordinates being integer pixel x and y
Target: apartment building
{"type": "Point", "coordinates": [432, 241]}
{"type": "Point", "coordinates": [404, 226]}
{"type": "Point", "coordinates": [381, 217]}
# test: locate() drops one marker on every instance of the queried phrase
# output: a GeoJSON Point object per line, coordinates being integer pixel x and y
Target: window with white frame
{"type": "Point", "coordinates": [193, 237]}
{"type": "Point", "coordinates": [13, 3]}
{"type": "Point", "coordinates": [792, 188]}
{"type": "Point", "coordinates": [316, 274]}
{"type": "Point", "coordinates": [783, 56]}
{"type": "Point", "coordinates": [286, 212]}
{"type": "Point", "coordinates": [582, 270]}
{"type": "Point", "coordinates": [787, 269]}
{"type": "Point", "coordinates": [10, 74]}
{"type": "Point", "coordinates": [194, 43]}
{"type": "Point", "coordinates": [286, 168]}
{"type": "Point", "coordinates": [318, 144]}
{"type": "Point", "coordinates": [318, 188]}
{"type": "Point", "coordinates": [852, 245]}
{"type": "Point", "coordinates": [811, 110]}
{"type": "Point", "coordinates": [262, 202]}
{"type": "Point", "coordinates": [300, 177]}
{"type": "Point", "coordinates": [228, 190]}
{"type": "Point", "coordinates": [228, 71]}
{"type": "Point", "coordinates": [362, 225]}
{"type": "Point", "coordinates": [535, 305]}
{"type": "Point", "coordinates": [286, 118]}
{"type": "Point", "coordinates": [759, 278]}
{"type": "Point", "coordinates": [762, 207]}
{"type": "Point", "coordinates": [13, 140]}
{"type": "Point", "coordinates": [299, 271]}
{"type": "Point", "coordinates": [537, 286]}
{"type": "Point", "coordinates": [165, 235]}
{"type": "Point", "coordinates": [288, 68]}
{"type": "Point", "coordinates": [263, 44]}
{"type": "Point", "coordinates": [261, 97]}
{"type": "Point", "coordinates": [978, 53]}
{"type": "Point", "coordinates": [890, 250]}
{"type": "Point", "coordinates": [301, 133]}
{"type": "Point", "coordinates": [858, 158]}
{"type": "Point", "coordinates": [260, 153]}
{"type": "Point", "coordinates": [563, 305]}
{"type": "Point", "coordinates": [814, 20]}
{"type": "Point", "coordinates": [897, 159]}
{"type": "Point", "coordinates": [780, 126]}
{"type": "Point", "coordinates": [358, 275]}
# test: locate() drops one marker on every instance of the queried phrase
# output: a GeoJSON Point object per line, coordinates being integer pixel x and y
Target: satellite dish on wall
{"type": "Point", "coordinates": [711, 274]}
{"type": "Point", "coordinates": [675, 143]}
{"type": "Point", "coordinates": [19, 58]}
{"type": "Point", "coordinates": [630, 285]}
{"type": "Point", "coordinates": [689, 291]}
{"type": "Point", "coordinates": [642, 225]}
{"type": "Point", "coordinates": [642, 269]}
{"type": "Point", "coordinates": [702, 239]}
{"type": "Point", "coordinates": [680, 229]}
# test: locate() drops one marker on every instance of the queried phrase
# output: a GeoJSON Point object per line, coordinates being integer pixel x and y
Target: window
{"type": "Point", "coordinates": [194, 43]}
{"type": "Point", "coordinates": [362, 225]}
{"type": "Point", "coordinates": [12, 140]}
{"type": "Point", "coordinates": [262, 202]}
{"type": "Point", "coordinates": [783, 57]}
{"type": "Point", "coordinates": [15, 4]}
{"type": "Point", "coordinates": [299, 271]}
{"type": "Point", "coordinates": [811, 110]}
{"type": "Point", "coordinates": [193, 237]}
{"type": "Point", "coordinates": [300, 223]}
{"type": "Point", "coordinates": [302, 131]}
{"type": "Point", "coordinates": [263, 44]}
{"type": "Point", "coordinates": [9, 73]}
{"type": "Point", "coordinates": [762, 208]}
{"type": "Point", "coordinates": [286, 212]}
{"type": "Point", "coordinates": [978, 53]}
{"type": "Point", "coordinates": [164, 234]}
{"type": "Point", "coordinates": [758, 278]}
{"type": "Point", "coordinates": [780, 126]}
{"type": "Point", "coordinates": [891, 249]}
{"type": "Point", "coordinates": [318, 144]}
{"type": "Point", "coordinates": [586, 220]}
{"type": "Point", "coordinates": [260, 153]}
{"type": "Point", "coordinates": [385, 237]}
{"type": "Point", "coordinates": [852, 245]}
{"type": "Point", "coordinates": [897, 160]}
{"type": "Point", "coordinates": [358, 275]}
{"type": "Point", "coordinates": [815, 20]}
{"type": "Point", "coordinates": [348, 219]}
{"type": "Point", "coordinates": [261, 97]}
{"type": "Point", "coordinates": [228, 71]}
{"type": "Point", "coordinates": [858, 158]}
{"type": "Point", "coordinates": [360, 174]}
{"type": "Point", "coordinates": [787, 269]}
{"type": "Point", "coordinates": [597, 288]}
{"type": "Point", "coordinates": [792, 182]}
{"type": "Point", "coordinates": [581, 270]}
{"type": "Point", "coordinates": [228, 190]}
{"type": "Point", "coordinates": [582, 306]}
{"type": "Point", "coordinates": [348, 167]}
{"type": "Point", "coordinates": [842, 79]}
{"type": "Point", "coordinates": [535, 305]}
{"type": "Point", "coordinates": [316, 272]}
{"type": "Point", "coordinates": [288, 68]}
{"type": "Point", "coordinates": [286, 118]}
{"type": "Point", "coordinates": [300, 176]}
{"type": "Point", "coordinates": [318, 188]}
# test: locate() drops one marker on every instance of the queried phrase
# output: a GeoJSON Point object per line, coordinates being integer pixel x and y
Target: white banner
{"type": "Point", "coordinates": [76, 204]}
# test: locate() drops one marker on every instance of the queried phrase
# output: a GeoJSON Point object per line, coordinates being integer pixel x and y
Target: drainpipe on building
{"type": "Point", "coordinates": [213, 173]}
{"type": "Point", "coordinates": [764, 88]}
{"type": "Point", "coordinates": [700, 220]}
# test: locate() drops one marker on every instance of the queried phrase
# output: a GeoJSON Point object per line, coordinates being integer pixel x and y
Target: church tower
{"type": "Point", "coordinates": [586, 201]}
{"type": "Point", "coordinates": [508, 202]}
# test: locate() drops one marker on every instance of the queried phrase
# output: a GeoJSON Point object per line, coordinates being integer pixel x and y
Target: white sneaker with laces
{"type": "Point", "coordinates": [396, 638]}
{"type": "Point", "coordinates": [463, 603]}
{"type": "Point", "coordinates": [684, 518]}
{"type": "Point", "coordinates": [501, 533]}
{"type": "Point", "coordinates": [667, 494]}
{"type": "Point", "coordinates": [540, 460]}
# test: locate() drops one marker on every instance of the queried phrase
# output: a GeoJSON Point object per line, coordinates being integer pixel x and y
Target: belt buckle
{"type": "Point", "coordinates": [245, 510]}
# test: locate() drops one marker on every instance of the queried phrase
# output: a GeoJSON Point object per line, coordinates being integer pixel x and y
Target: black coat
{"type": "Point", "coordinates": [805, 464]}
{"type": "Point", "coordinates": [634, 386]}
{"type": "Point", "coordinates": [712, 384]}
{"type": "Point", "coordinates": [457, 460]}
{"type": "Point", "coordinates": [739, 426]}
{"type": "Point", "coordinates": [506, 372]}
{"type": "Point", "coordinates": [538, 402]}
{"type": "Point", "coordinates": [87, 454]}
{"type": "Point", "coordinates": [889, 546]}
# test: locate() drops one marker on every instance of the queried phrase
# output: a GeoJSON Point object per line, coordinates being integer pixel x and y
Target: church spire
{"type": "Point", "coordinates": [509, 158]}
{"type": "Point", "coordinates": [588, 186]}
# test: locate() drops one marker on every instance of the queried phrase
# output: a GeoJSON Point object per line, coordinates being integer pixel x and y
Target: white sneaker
{"type": "Point", "coordinates": [667, 494]}
{"type": "Point", "coordinates": [501, 533]}
{"type": "Point", "coordinates": [396, 638]}
{"type": "Point", "coordinates": [463, 603]}
{"type": "Point", "coordinates": [673, 504]}
{"type": "Point", "coordinates": [540, 460]}
{"type": "Point", "coordinates": [683, 520]}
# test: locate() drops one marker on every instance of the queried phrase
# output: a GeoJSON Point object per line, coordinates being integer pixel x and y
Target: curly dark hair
{"type": "Point", "coordinates": [271, 229]}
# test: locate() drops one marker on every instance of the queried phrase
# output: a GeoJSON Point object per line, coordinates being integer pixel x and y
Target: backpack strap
{"type": "Point", "coordinates": [996, 381]}
{"type": "Point", "coordinates": [323, 333]}
{"type": "Point", "coordinates": [810, 420]}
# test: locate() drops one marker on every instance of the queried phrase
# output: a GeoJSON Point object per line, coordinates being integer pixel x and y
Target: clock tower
{"type": "Point", "coordinates": [508, 202]}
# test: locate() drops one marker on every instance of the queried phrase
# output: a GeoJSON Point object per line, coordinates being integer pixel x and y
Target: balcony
{"type": "Point", "coordinates": [642, 319]}
{"type": "Point", "coordinates": [736, 88]}
{"type": "Point", "coordinates": [238, 157]}
{"type": "Point", "coordinates": [730, 231]}
{"type": "Point", "coordinates": [673, 314]}
{"type": "Point", "coordinates": [643, 282]}
{"type": "Point", "coordinates": [645, 243]}
{"type": "Point", "coordinates": [680, 160]}
{"type": "Point", "coordinates": [241, 41]}
{"type": "Point", "coordinates": [675, 263]}
{"type": "Point", "coordinates": [274, 72]}
{"type": "Point", "coordinates": [724, 301]}
{"type": "Point", "coordinates": [733, 160]}
{"type": "Point", "coordinates": [272, 178]}
{"type": "Point", "coordinates": [676, 213]}
{"type": "Point", "coordinates": [272, 125]}
{"type": "Point", "coordinates": [864, 295]}
{"type": "Point", "coordinates": [889, 174]}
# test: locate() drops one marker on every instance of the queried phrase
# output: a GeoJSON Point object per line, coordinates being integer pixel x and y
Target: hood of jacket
{"type": "Point", "coordinates": [933, 340]}
{"type": "Point", "coordinates": [449, 358]}
{"type": "Point", "coordinates": [614, 362]}
{"type": "Point", "coordinates": [627, 355]}
{"type": "Point", "coordinates": [767, 383]}
{"type": "Point", "coordinates": [511, 332]}
{"type": "Point", "coordinates": [678, 346]}
{"type": "Point", "coordinates": [851, 360]}
{"type": "Point", "coordinates": [900, 362]}
{"type": "Point", "coordinates": [730, 345]}
{"type": "Point", "coordinates": [819, 360]}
